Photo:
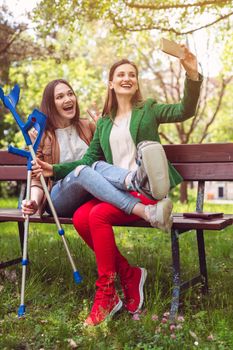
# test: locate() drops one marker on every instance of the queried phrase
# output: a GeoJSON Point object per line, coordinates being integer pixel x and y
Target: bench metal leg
{"type": "Point", "coordinates": [16, 261]}
{"type": "Point", "coordinates": [202, 260]}
{"type": "Point", "coordinates": [176, 274]}
{"type": "Point", "coordinates": [10, 263]}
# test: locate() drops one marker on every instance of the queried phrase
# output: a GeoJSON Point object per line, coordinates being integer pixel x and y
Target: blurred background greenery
{"type": "Point", "coordinates": [79, 41]}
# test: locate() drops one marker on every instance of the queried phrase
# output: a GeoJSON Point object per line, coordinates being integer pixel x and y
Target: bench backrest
{"type": "Point", "coordinates": [12, 167]}
{"type": "Point", "coordinates": [207, 162]}
{"type": "Point", "coordinates": [200, 162]}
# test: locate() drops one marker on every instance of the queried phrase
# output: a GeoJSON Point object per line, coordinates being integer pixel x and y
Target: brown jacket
{"type": "Point", "coordinates": [49, 151]}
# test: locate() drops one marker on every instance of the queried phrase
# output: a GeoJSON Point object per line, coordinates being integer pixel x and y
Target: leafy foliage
{"type": "Point", "coordinates": [16, 48]}
{"type": "Point", "coordinates": [128, 15]}
{"type": "Point", "coordinates": [82, 46]}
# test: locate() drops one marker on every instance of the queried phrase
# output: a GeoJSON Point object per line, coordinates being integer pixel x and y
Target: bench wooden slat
{"type": "Point", "coordinates": [179, 222]}
{"type": "Point", "coordinates": [205, 171]}
{"type": "Point", "coordinates": [13, 173]}
{"type": "Point", "coordinates": [15, 215]}
{"type": "Point", "coordinates": [7, 158]}
{"type": "Point", "coordinates": [189, 171]}
{"type": "Point", "coordinates": [197, 153]}
{"type": "Point", "coordinates": [192, 153]}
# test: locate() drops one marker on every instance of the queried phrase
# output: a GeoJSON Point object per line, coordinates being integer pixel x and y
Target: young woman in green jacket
{"type": "Point", "coordinates": [126, 122]}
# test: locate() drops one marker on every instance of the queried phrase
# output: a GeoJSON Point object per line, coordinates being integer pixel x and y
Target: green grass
{"type": "Point", "coordinates": [56, 307]}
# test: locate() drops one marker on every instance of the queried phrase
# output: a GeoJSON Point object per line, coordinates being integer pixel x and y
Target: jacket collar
{"type": "Point", "coordinates": [137, 114]}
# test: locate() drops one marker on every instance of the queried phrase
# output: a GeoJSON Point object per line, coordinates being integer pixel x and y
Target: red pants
{"type": "Point", "coordinates": [94, 221]}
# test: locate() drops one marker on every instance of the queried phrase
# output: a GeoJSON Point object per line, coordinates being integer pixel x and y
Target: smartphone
{"type": "Point", "coordinates": [171, 48]}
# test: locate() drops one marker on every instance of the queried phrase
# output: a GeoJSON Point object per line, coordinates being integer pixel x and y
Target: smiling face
{"type": "Point", "coordinates": [65, 103]}
{"type": "Point", "coordinates": [124, 81]}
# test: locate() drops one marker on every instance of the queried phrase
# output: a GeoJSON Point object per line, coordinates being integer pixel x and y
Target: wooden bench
{"type": "Point", "coordinates": [195, 162]}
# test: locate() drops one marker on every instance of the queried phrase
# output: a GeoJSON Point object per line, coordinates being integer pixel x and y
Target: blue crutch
{"type": "Point", "coordinates": [38, 121]}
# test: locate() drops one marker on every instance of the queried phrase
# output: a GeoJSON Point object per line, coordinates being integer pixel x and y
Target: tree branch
{"type": "Point", "coordinates": [171, 6]}
{"type": "Point", "coordinates": [9, 43]}
{"type": "Point", "coordinates": [165, 137]}
{"type": "Point", "coordinates": [139, 28]}
{"type": "Point", "coordinates": [205, 132]}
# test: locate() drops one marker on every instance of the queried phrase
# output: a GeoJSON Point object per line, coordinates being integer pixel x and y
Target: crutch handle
{"type": "Point", "coordinates": [19, 152]}
{"type": "Point", "coordinates": [22, 153]}
{"type": "Point", "coordinates": [37, 119]}
{"type": "Point", "coordinates": [10, 101]}
{"type": "Point", "coordinates": [13, 95]}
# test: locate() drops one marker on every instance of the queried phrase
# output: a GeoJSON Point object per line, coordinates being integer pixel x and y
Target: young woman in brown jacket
{"type": "Point", "coordinates": [66, 138]}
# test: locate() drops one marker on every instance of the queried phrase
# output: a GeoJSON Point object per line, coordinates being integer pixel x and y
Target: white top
{"type": "Point", "coordinates": [122, 145]}
{"type": "Point", "coordinates": [72, 147]}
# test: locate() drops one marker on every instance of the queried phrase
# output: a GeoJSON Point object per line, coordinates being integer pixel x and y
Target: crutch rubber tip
{"type": "Point", "coordinates": [21, 310]}
{"type": "Point", "coordinates": [77, 277]}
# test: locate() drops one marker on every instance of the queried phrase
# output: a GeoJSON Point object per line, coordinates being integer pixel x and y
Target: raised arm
{"type": "Point", "coordinates": [186, 108]}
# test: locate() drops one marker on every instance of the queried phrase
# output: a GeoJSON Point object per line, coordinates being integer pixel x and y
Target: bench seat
{"type": "Point", "coordinates": [179, 222]}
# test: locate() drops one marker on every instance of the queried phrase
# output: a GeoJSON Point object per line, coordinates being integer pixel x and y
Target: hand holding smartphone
{"type": "Point", "coordinates": [171, 48]}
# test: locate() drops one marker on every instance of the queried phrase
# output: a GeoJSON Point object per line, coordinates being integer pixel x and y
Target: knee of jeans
{"type": "Point", "coordinates": [78, 170]}
{"type": "Point", "coordinates": [95, 164]}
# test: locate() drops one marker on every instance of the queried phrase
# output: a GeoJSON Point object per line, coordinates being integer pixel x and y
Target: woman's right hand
{"type": "Point", "coordinates": [29, 207]}
{"type": "Point", "coordinates": [41, 168]}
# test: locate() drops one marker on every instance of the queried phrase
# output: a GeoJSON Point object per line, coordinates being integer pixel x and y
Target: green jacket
{"type": "Point", "coordinates": [144, 125]}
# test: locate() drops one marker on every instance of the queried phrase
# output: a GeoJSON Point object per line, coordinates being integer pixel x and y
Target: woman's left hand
{"type": "Point", "coordinates": [94, 117]}
{"type": "Point", "coordinates": [189, 62]}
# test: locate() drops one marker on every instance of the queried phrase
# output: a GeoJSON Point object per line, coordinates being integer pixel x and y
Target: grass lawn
{"type": "Point", "coordinates": [56, 307]}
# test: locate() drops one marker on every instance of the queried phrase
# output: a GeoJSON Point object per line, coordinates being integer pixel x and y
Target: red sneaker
{"type": "Point", "coordinates": [133, 290]}
{"type": "Point", "coordinates": [104, 306]}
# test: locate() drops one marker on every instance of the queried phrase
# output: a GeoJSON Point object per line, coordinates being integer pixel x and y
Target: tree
{"type": "Point", "coordinates": [85, 47]}
{"type": "Point", "coordinates": [16, 46]}
{"type": "Point", "coordinates": [128, 15]}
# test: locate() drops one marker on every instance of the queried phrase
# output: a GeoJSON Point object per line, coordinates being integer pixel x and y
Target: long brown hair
{"type": "Point", "coordinates": [49, 109]}
{"type": "Point", "coordinates": [110, 105]}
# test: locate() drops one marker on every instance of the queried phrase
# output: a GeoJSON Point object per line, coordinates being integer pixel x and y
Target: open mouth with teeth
{"type": "Point", "coordinates": [127, 86]}
{"type": "Point", "coordinates": [68, 108]}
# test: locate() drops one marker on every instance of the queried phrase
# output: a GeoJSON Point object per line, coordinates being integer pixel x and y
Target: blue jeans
{"type": "Point", "coordinates": [103, 181]}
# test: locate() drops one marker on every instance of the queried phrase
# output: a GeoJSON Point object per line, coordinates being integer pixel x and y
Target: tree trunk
{"type": "Point", "coordinates": [184, 192]}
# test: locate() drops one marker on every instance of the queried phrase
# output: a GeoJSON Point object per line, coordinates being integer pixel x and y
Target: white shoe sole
{"type": "Point", "coordinates": [115, 309]}
{"type": "Point", "coordinates": [141, 285]}
{"type": "Point", "coordinates": [156, 167]}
